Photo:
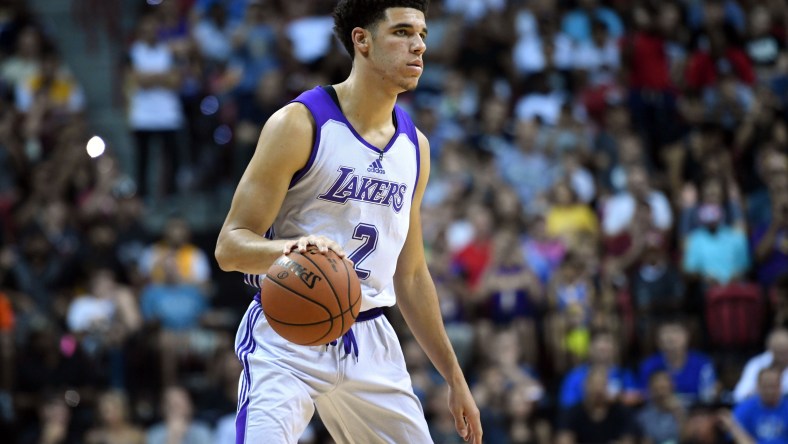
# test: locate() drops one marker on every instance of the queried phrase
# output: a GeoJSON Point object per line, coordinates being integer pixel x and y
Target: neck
{"type": "Point", "coordinates": [675, 359]}
{"type": "Point", "coordinates": [365, 104]}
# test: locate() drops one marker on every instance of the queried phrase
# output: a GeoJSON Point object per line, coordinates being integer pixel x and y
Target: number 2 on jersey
{"type": "Point", "coordinates": [368, 234]}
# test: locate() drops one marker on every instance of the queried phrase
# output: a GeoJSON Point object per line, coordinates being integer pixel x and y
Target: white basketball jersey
{"type": "Point", "coordinates": [354, 194]}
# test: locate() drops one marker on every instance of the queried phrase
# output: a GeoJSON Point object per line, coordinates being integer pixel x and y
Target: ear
{"type": "Point", "coordinates": [361, 38]}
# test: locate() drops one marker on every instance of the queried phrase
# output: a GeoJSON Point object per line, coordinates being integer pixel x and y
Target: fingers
{"type": "Point", "coordinates": [474, 424]}
{"type": "Point", "coordinates": [322, 243]}
{"type": "Point", "coordinates": [469, 425]}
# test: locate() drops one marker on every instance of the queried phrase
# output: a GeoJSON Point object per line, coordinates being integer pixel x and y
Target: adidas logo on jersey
{"type": "Point", "coordinates": [376, 167]}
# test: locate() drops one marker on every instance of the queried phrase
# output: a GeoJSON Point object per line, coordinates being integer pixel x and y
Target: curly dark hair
{"type": "Point", "coordinates": [362, 13]}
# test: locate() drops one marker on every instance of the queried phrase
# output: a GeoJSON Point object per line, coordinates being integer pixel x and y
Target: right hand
{"type": "Point", "coordinates": [322, 243]}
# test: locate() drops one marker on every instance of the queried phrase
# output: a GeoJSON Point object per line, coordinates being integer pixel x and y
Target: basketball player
{"type": "Point", "coordinates": [344, 169]}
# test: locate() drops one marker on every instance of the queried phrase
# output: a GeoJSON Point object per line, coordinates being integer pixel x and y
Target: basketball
{"type": "Point", "coordinates": [311, 298]}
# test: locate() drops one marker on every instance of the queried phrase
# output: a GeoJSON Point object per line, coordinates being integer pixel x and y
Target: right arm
{"type": "Point", "coordinates": [283, 148]}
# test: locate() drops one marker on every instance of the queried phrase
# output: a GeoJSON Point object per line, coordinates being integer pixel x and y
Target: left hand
{"type": "Point", "coordinates": [466, 415]}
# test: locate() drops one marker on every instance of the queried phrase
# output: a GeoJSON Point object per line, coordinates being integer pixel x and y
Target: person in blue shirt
{"type": "Point", "coordinates": [603, 354]}
{"type": "Point", "coordinates": [693, 373]}
{"type": "Point", "coordinates": [765, 417]}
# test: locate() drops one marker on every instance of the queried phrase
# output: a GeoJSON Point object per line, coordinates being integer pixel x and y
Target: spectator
{"type": "Point", "coordinates": [715, 58]}
{"type": "Point", "coordinates": [715, 253]}
{"type": "Point", "coordinates": [597, 418]}
{"type": "Point", "coordinates": [765, 417]}
{"type": "Point", "coordinates": [543, 253]}
{"type": "Point", "coordinates": [568, 217]}
{"type": "Point", "coordinates": [51, 90]}
{"type": "Point", "coordinates": [657, 289]}
{"type": "Point", "coordinates": [103, 319]}
{"type": "Point", "coordinates": [55, 424]}
{"type": "Point", "coordinates": [155, 111]}
{"type": "Point", "coordinates": [571, 297]}
{"type": "Point", "coordinates": [114, 426]}
{"type": "Point", "coordinates": [619, 211]}
{"type": "Point", "coordinates": [578, 23]}
{"type": "Point", "coordinates": [510, 293]}
{"type": "Point", "coordinates": [179, 426]}
{"type": "Point", "coordinates": [770, 243]}
{"type": "Point", "coordinates": [775, 356]}
{"type": "Point", "coordinates": [713, 192]}
{"type": "Point", "coordinates": [175, 296]}
{"type": "Point", "coordinates": [693, 374]}
{"type": "Point", "coordinates": [602, 355]}
{"type": "Point", "coordinates": [213, 35]}
{"type": "Point", "coordinates": [662, 418]}
{"type": "Point", "coordinates": [24, 63]}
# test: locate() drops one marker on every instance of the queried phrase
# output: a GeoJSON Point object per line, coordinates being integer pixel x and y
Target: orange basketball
{"type": "Point", "coordinates": [311, 298]}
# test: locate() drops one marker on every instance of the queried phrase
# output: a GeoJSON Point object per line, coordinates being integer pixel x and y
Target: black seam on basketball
{"type": "Point", "coordinates": [347, 275]}
{"type": "Point", "coordinates": [328, 281]}
{"type": "Point", "coordinates": [308, 324]}
{"type": "Point", "coordinates": [328, 312]}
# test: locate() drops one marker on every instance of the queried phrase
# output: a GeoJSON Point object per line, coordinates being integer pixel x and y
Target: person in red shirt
{"type": "Point", "coordinates": [716, 58]}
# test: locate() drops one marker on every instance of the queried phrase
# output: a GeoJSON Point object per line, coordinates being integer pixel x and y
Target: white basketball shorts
{"type": "Point", "coordinates": [361, 399]}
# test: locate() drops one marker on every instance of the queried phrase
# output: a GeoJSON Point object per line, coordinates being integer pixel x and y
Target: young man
{"type": "Point", "coordinates": [342, 168]}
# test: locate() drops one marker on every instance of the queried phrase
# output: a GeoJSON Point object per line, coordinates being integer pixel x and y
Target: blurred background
{"type": "Point", "coordinates": [606, 220]}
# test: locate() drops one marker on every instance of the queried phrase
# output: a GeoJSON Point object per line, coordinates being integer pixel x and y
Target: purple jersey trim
{"type": "Point", "coordinates": [316, 104]}
{"type": "Point", "coordinates": [339, 116]}
{"type": "Point", "coordinates": [407, 127]}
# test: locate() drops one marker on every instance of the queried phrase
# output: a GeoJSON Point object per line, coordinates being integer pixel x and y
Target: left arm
{"type": "Point", "coordinates": [418, 302]}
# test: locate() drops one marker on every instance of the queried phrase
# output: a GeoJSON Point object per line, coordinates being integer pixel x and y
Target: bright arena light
{"type": "Point", "coordinates": [95, 146]}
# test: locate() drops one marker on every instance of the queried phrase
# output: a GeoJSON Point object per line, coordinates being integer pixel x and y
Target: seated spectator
{"type": "Point", "coordinates": [179, 426]}
{"type": "Point", "coordinates": [568, 216]}
{"type": "Point", "coordinates": [51, 90]}
{"type": "Point", "coordinates": [103, 318]}
{"type": "Point", "coordinates": [523, 425]}
{"type": "Point", "coordinates": [715, 253]}
{"type": "Point", "coordinates": [656, 287]}
{"type": "Point", "coordinates": [713, 192]}
{"type": "Point", "coordinates": [775, 356]}
{"type": "Point", "coordinates": [693, 373]}
{"type": "Point", "coordinates": [602, 354]}
{"type": "Point", "coordinates": [24, 63]}
{"type": "Point", "coordinates": [175, 297]}
{"type": "Point", "coordinates": [770, 243]}
{"type": "Point", "coordinates": [571, 296]}
{"type": "Point", "coordinates": [715, 58]}
{"type": "Point", "coordinates": [765, 417]}
{"type": "Point", "coordinates": [114, 426]}
{"type": "Point", "coordinates": [55, 424]}
{"type": "Point", "coordinates": [543, 253]}
{"type": "Point", "coordinates": [619, 211]}
{"type": "Point", "coordinates": [510, 293]}
{"type": "Point", "coordinates": [578, 23]}
{"type": "Point", "coordinates": [213, 34]}
{"type": "Point", "coordinates": [662, 418]}
{"type": "Point", "coordinates": [597, 419]}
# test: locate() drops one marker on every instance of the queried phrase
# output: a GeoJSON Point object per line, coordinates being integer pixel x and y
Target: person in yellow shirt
{"type": "Point", "coordinates": [567, 216]}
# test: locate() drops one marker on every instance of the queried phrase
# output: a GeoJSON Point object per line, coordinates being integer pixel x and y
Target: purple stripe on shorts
{"type": "Point", "coordinates": [240, 423]}
{"type": "Point", "coordinates": [243, 355]}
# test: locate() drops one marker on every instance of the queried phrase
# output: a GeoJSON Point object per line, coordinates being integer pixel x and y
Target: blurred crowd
{"type": "Point", "coordinates": [606, 221]}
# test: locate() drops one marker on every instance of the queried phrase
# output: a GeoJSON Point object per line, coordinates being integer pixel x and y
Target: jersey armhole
{"type": "Point", "coordinates": [313, 154]}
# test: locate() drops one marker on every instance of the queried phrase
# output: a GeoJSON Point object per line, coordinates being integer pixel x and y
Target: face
{"type": "Point", "coordinates": [603, 350]}
{"type": "Point", "coordinates": [661, 386]}
{"type": "Point", "coordinates": [177, 232]}
{"type": "Point", "coordinates": [177, 402]}
{"type": "Point", "coordinates": [395, 54]}
{"type": "Point", "coordinates": [778, 345]}
{"type": "Point", "coordinates": [111, 408]}
{"type": "Point", "coordinates": [672, 338]}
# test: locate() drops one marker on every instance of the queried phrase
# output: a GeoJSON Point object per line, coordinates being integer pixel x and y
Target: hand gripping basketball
{"type": "Point", "coordinates": [322, 243]}
{"type": "Point", "coordinates": [311, 298]}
